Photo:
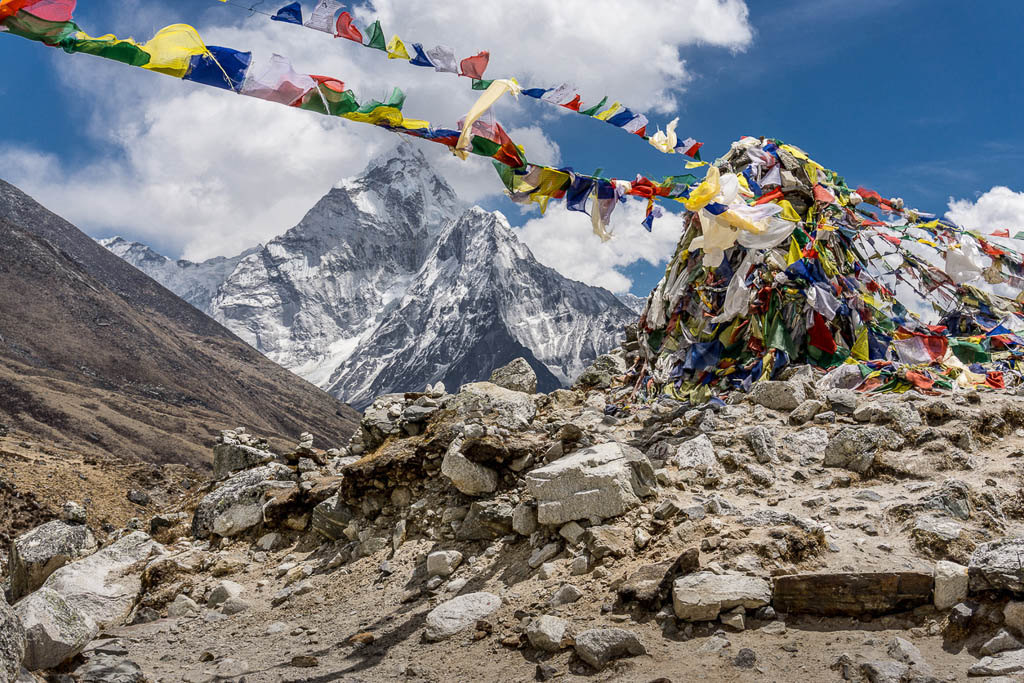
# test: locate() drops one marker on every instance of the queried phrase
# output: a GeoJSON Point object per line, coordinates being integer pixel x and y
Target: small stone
{"type": "Point", "coordinates": [443, 562]}
{"type": "Point", "coordinates": [304, 662]}
{"type": "Point", "coordinates": [597, 647]}
{"type": "Point", "coordinates": [455, 615]}
{"type": "Point", "coordinates": [1002, 641]}
{"type": "Point", "coordinates": [223, 591]}
{"type": "Point", "coordinates": [745, 659]}
{"type": "Point", "coordinates": [542, 555]}
{"type": "Point", "coordinates": [547, 571]}
{"type": "Point", "coordinates": [734, 619]}
{"type": "Point", "coordinates": [565, 595]}
{"type": "Point", "coordinates": [547, 633]}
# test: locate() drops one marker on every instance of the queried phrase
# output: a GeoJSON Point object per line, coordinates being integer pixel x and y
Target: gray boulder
{"type": "Point", "coordinates": [448, 618]}
{"type": "Point", "coordinates": [443, 562]}
{"type": "Point", "coordinates": [547, 633]}
{"type": "Point", "coordinates": [467, 476]}
{"type": "Point", "coordinates": [106, 585]}
{"type": "Point", "coordinates": [598, 646]}
{"type": "Point", "coordinates": [12, 642]}
{"type": "Point", "coordinates": [855, 448]}
{"type": "Point", "coordinates": [38, 553]}
{"type": "Point", "coordinates": [696, 459]}
{"type": "Point", "coordinates": [1002, 664]}
{"type": "Point", "coordinates": [702, 596]}
{"type": "Point", "coordinates": [54, 630]}
{"type": "Point", "coordinates": [330, 518]}
{"type": "Point", "coordinates": [508, 409]}
{"type": "Point", "coordinates": [229, 458]}
{"type": "Point", "coordinates": [237, 504]}
{"type": "Point", "coordinates": [762, 444]}
{"type": "Point", "coordinates": [997, 566]}
{"type": "Point", "coordinates": [599, 482]}
{"type": "Point", "coordinates": [779, 395]}
{"type": "Point", "coordinates": [517, 376]}
{"type": "Point", "coordinates": [224, 591]}
{"type": "Point", "coordinates": [109, 669]}
{"type": "Point", "coordinates": [602, 372]}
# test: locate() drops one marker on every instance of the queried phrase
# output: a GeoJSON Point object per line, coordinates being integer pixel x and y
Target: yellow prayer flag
{"type": "Point", "coordinates": [696, 164]}
{"type": "Point", "coordinates": [609, 112]}
{"type": "Point", "coordinates": [795, 253]}
{"type": "Point", "coordinates": [171, 50]}
{"type": "Point", "coordinates": [860, 347]}
{"type": "Point", "coordinates": [788, 212]}
{"type": "Point", "coordinates": [396, 49]}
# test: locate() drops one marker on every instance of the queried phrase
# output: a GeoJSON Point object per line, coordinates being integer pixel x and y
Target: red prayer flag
{"type": "Point", "coordinates": [474, 67]}
{"type": "Point", "coordinates": [995, 380]}
{"type": "Point", "coordinates": [575, 104]}
{"type": "Point", "coordinates": [820, 336]}
{"type": "Point", "coordinates": [821, 194]}
{"type": "Point", "coordinates": [345, 29]}
{"type": "Point", "coordinates": [642, 132]}
{"type": "Point", "coordinates": [1005, 232]}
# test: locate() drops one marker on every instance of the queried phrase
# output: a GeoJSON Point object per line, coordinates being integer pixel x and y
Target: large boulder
{"type": "Point", "coordinates": [779, 395]}
{"type": "Point", "coordinates": [702, 596]}
{"type": "Point", "coordinates": [448, 618]}
{"type": "Point", "coordinates": [40, 552]}
{"type": "Point", "coordinates": [855, 448]}
{"type": "Point", "coordinates": [12, 642]}
{"type": "Point", "coordinates": [331, 517]}
{"type": "Point", "coordinates": [230, 457]}
{"type": "Point", "coordinates": [598, 646]}
{"type": "Point", "coordinates": [54, 630]}
{"type": "Point", "coordinates": [696, 459]}
{"type": "Point", "coordinates": [599, 482]}
{"type": "Point", "coordinates": [602, 372]}
{"type": "Point", "coordinates": [106, 585]}
{"type": "Point", "coordinates": [467, 476]}
{"type": "Point", "coordinates": [237, 504]}
{"type": "Point", "coordinates": [517, 376]}
{"type": "Point", "coordinates": [508, 409]}
{"type": "Point", "coordinates": [997, 566]}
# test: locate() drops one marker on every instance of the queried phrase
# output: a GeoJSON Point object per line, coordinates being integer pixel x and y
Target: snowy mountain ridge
{"type": "Point", "coordinates": [390, 282]}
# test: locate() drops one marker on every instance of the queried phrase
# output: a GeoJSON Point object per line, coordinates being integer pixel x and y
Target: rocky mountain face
{"type": "Point", "coordinates": [390, 283]}
{"type": "Point", "coordinates": [98, 356]}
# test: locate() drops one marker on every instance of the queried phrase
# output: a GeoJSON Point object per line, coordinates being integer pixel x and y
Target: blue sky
{"type": "Point", "coordinates": [919, 99]}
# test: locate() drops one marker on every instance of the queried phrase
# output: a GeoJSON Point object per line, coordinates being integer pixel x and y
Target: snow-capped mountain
{"type": "Point", "coordinates": [390, 283]}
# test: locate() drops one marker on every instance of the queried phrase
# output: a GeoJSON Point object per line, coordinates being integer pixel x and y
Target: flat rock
{"type": "Point", "coordinates": [1002, 664]}
{"type": "Point", "coordinates": [40, 552]}
{"type": "Point", "coordinates": [508, 409]}
{"type": "Point", "coordinates": [12, 642]}
{"type": "Point", "coordinates": [54, 630]}
{"type": "Point", "coordinates": [778, 395]}
{"type": "Point", "coordinates": [448, 618]}
{"type": "Point", "coordinates": [855, 448]}
{"type": "Point", "coordinates": [997, 566]}
{"type": "Point", "coordinates": [598, 646]}
{"type": "Point", "coordinates": [851, 594]}
{"type": "Point", "coordinates": [599, 482]}
{"type": "Point", "coordinates": [229, 458]}
{"type": "Point", "coordinates": [106, 585]}
{"type": "Point", "coordinates": [702, 596]}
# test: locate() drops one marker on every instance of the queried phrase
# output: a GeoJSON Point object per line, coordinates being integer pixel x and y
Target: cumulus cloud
{"type": "Point", "coordinates": [198, 172]}
{"type": "Point", "coordinates": [994, 210]}
{"type": "Point", "coordinates": [563, 240]}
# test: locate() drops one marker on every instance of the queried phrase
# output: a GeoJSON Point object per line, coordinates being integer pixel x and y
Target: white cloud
{"type": "Point", "coordinates": [199, 172]}
{"type": "Point", "coordinates": [994, 210]}
{"type": "Point", "coordinates": [563, 240]}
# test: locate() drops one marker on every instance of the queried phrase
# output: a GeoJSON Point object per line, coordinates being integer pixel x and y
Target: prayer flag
{"type": "Point", "coordinates": [396, 49]}
{"type": "Point", "coordinates": [345, 29]}
{"type": "Point", "coordinates": [375, 37]}
{"type": "Point", "coordinates": [322, 18]}
{"type": "Point", "coordinates": [443, 58]}
{"type": "Point", "coordinates": [289, 14]}
{"type": "Point", "coordinates": [421, 58]}
{"type": "Point", "coordinates": [474, 67]}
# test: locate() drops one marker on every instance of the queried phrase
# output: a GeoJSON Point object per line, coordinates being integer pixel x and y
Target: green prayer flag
{"type": "Point", "coordinates": [480, 84]}
{"type": "Point", "coordinates": [592, 111]}
{"type": "Point", "coordinates": [48, 32]}
{"type": "Point", "coordinates": [375, 37]}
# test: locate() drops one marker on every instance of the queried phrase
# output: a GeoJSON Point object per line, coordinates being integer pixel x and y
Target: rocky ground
{"type": "Point", "coordinates": [802, 531]}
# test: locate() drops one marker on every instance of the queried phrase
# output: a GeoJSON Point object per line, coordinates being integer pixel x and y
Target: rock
{"type": "Point", "coordinates": [450, 617]}
{"type": "Point", "coordinates": [762, 444]}
{"type": "Point", "coordinates": [572, 532]}
{"type": "Point", "coordinates": [935, 533]}
{"type": "Point", "coordinates": [806, 411]}
{"type": "Point", "coordinates": [565, 595]}
{"type": "Point", "coordinates": [902, 650]}
{"type": "Point", "coordinates": [513, 410]}
{"type": "Point", "coordinates": [487, 520]}
{"type": "Point", "coordinates": [237, 504]}
{"type": "Point", "coordinates": [851, 594]}
{"type": "Point", "coordinates": [467, 476]}
{"type": "Point", "coordinates": [223, 591]}
{"type": "Point", "coordinates": [517, 376]}
{"type": "Point", "coordinates": [696, 458]}
{"type": "Point", "coordinates": [109, 669]}
{"type": "Point", "coordinates": [842, 401]}
{"type": "Point", "coordinates": [1003, 641]}
{"type": "Point", "coordinates": [542, 555]}
{"type": "Point", "coordinates": [702, 596]}
{"type": "Point", "coordinates": [182, 607]}
{"type": "Point", "coordinates": [734, 619]}
{"type": "Point", "coordinates": [997, 566]}
{"type": "Point", "coordinates": [73, 513]}
{"type": "Point", "coordinates": [106, 585]}
{"type": "Point", "coordinates": [547, 633]}
{"type": "Point", "coordinates": [604, 541]}
{"type": "Point", "coordinates": [1013, 615]}
{"type": "Point", "coordinates": [778, 395]}
{"type": "Point", "coordinates": [524, 519]}
{"type": "Point", "coordinates": [330, 518]}
{"type": "Point", "coordinates": [885, 671]}
{"type": "Point", "coordinates": [38, 553]}
{"type": "Point", "coordinates": [601, 372]}
{"type": "Point", "coordinates": [443, 562]}
{"type": "Point", "coordinates": [1002, 664]}
{"type": "Point", "coordinates": [139, 497]}
{"type": "Point", "coordinates": [12, 642]}
{"type": "Point", "coordinates": [229, 458]}
{"type": "Point", "coordinates": [745, 659]}
{"type": "Point", "coordinates": [595, 483]}
{"type": "Point", "coordinates": [598, 646]}
{"type": "Point", "coordinates": [649, 586]}
{"type": "Point", "coordinates": [855, 448]}
{"type": "Point", "coordinates": [234, 605]}
{"type": "Point", "coordinates": [950, 584]}
{"type": "Point", "coordinates": [54, 630]}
